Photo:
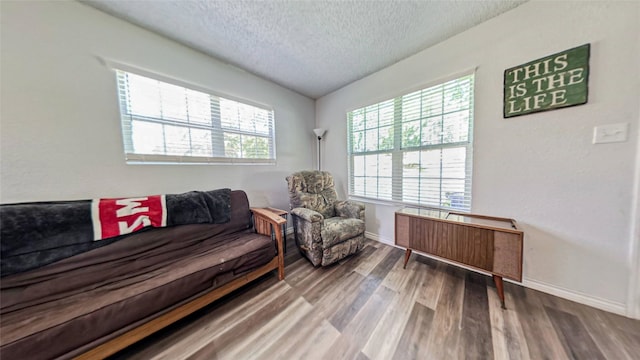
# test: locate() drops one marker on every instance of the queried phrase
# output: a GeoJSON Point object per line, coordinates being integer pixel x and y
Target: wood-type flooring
{"type": "Point", "coordinates": [368, 307]}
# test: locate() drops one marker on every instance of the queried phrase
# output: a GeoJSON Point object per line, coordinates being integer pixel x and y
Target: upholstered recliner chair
{"type": "Point", "coordinates": [326, 229]}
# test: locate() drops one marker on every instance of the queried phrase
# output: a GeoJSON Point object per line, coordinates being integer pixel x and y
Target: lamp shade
{"type": "Point", "coordinates": [319, 132]}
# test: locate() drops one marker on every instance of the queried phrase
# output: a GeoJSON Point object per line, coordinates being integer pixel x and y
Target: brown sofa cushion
{"type": "Point", "coordinates": [50, 311]}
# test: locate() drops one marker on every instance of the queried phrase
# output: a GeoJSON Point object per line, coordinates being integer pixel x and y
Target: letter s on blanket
{"type": "Point", "coordinates": [115, 217]}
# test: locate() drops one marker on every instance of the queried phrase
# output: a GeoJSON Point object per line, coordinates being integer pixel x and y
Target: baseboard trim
{"type": "Point", "coordinates": [596, 302]}
{"type": "Point", "coordinates": [602, 304]}
{"type": "Point", "coordinates": [376, 237]}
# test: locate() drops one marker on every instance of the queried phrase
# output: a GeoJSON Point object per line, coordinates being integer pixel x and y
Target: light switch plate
{"type": "Point", "coordinates": [610, 133]}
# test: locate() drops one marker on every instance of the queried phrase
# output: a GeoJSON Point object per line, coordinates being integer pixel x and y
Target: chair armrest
{"type": "Point", "coordinates": [308, 224]}
{"type": "Point", "coordinates": [349, 209]}
{"type": "Point", "coordinates": [308, 214]}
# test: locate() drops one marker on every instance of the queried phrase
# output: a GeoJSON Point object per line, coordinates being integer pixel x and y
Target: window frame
{"type": "Point", "coordinates": [218, 156]}
{"type": "Point", "coordinates": [397, 151]}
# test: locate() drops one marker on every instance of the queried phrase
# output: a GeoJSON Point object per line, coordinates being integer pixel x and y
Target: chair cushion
{"type": "Point", "coordinates": [337, 230]}
{"type": "Point", "coordinates": [312, 190]}
{"type": "Point", "coordinates": [339, 251]}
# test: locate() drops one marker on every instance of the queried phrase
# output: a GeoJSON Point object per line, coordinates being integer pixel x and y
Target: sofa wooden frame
{"type": "Point", "coordinates": [266, 223]}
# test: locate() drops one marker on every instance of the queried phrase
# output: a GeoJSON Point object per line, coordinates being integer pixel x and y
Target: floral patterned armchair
{"type": "Point", "coordinates": [326, 229]}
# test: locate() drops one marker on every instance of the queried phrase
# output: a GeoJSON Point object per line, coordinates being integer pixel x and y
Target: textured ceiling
{"type": "Point", "coordinates": [311, 47]}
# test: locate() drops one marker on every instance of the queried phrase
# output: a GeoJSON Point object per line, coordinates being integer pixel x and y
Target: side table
{"type": "Point", "coordinates": [283, 214]}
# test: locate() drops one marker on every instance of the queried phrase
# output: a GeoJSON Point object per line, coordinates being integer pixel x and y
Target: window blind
{"type": "Point", "coordinates": [415, 148]}
{"type": "Point", "coordinates": [169, 123]}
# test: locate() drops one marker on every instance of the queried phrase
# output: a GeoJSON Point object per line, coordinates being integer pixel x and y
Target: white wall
{"type": "Point", "coordinates": [573, 198]}
{"type": "Point", "coordinates": [60, 127]}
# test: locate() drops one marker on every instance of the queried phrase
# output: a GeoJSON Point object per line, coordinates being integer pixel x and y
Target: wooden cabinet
{"type": "Point", "coordinates": [485, 243]}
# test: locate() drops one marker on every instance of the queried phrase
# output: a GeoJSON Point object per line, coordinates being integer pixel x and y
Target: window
{"type": "Point", "coordinates": [415, 148]}
{"type": "Point", "coordinates": [168, 123]}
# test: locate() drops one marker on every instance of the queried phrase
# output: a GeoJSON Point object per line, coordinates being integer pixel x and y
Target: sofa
{"type": "Point", "coordinates": [68, 293]}
{"type": "Point", "coordinates": [326, 229]}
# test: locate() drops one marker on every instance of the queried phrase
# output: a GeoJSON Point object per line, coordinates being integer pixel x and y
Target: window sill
{"type": "Point", "coordinates": [400, 204]}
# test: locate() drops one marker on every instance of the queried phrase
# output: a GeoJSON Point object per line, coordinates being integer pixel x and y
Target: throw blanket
{"type": "Point", "coordinates": [114, 217]}
{"type": "Point", "coordinates": [36, 234]}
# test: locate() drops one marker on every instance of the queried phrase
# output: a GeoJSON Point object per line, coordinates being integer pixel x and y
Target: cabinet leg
{"type": "Point", "coordinates": [407, 255]}
{"type": "Point", "coordinates": [500, 287]}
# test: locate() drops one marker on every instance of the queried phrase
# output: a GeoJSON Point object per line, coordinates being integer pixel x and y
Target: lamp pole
{"type": "Point", "coordinates": [319, 132]}
{"type": "Point", "coordinates": [319, 162]}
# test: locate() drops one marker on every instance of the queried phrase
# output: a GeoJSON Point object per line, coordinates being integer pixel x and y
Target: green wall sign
{"type": "Point", "coordinates": [552, 82]}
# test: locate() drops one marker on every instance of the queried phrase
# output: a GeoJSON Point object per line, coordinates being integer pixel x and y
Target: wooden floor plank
{"type": "Point", "coordinates": [352, 306]}
{"type": "Point", "coordinates": [254, 342]}
{"type": "Point", "coordinates": [575, 338]}
{"type": "Point", "coordinates": [339, 296]}
{"type": "Point", "coordinates": [227, 330]}
{"type": "Point", "coordinates": [614, 342]}
{"type": "Point", "coordinates": [506, 332]}
{"type": "Point", "coordinates": [365, 267]}
{"type": "Point", "coordinates": [208, 352]}
{"type": "Point", "coordinates": [388, 333]}
{"type": "Point", "coordinates": [412, 343]}
{"type": "Point", "coordinates": [397, 276]}
{"type": "Point", "coordinates": [623, 323]}
{"type": "Point", "coordinates": [444, 336]}
{"type": "Point", "coordinates": [431, 284]}
{"type": "Point", "coordinates": [325, 277]}
{"type": "Point", "coordinates": [475, 337]}
{"type": "Point", "coordinates": [300, 340]}
{"type": "Point", "coordinates": [298, 271]}
{"type": "Point", "coordinates": [355, 335]}
{"type": "Point", "coordinates": [368, 307]}
{"type": "Point", "coordinates": [310, 346]}
{"type": "Point", "coordinates": [541, 337]}
{"type": "Point", "coordinates": [609, 339]}
{"type": "Point", "coordinates": [193, 332]}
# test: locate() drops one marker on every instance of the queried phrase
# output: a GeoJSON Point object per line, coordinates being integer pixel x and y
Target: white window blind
{"type": "Point", "coordinates": [168, 123]}
{"type": "Point", "coordinates": [415, 148]}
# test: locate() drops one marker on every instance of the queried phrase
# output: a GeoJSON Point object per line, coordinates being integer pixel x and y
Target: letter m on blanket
{"type": "Point", "coordinates": [114, 217]}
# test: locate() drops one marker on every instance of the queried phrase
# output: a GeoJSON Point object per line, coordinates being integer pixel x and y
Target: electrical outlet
{"type": "Point", "coordinates": [610, 133]}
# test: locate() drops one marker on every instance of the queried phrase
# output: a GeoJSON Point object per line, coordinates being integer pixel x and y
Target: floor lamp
{"type": "Point", "coordinates": [319, 132]}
